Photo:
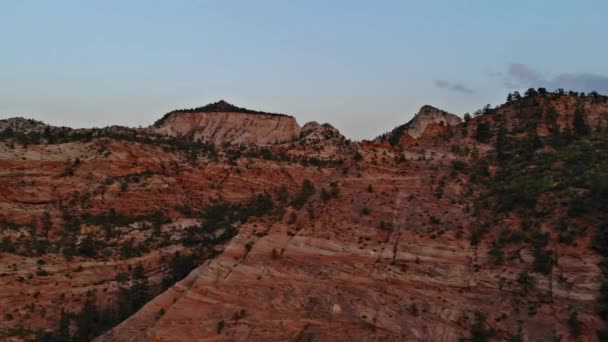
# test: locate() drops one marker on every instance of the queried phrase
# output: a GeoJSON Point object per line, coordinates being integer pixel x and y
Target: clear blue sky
{"type": "Point", "coordinates": [363, 66]}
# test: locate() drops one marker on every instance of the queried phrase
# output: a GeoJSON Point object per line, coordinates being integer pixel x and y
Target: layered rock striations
{"type": "Point", "coordinates": [221, 122]}
{"type": "Point", "coordinates": [393, 242]}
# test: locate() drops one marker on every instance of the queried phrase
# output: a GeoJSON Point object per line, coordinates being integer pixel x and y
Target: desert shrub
{"type": "Point", "coordinates": [274, 254]}
{"type": "Point", "coordinates": [413, 309]}
{"type": "Point", "coordinates": [459, 165]}
{"type": "Point", "coordinates": [484, 132]}
{"type": "Point", "coordinates": [386, 226]}
{"type": "Point", "coordinates": [526, 280]}
{"type": "Point", "coordinates": [6, 245]}
{"type": "Point", "coordinates": [543, 261]}
{"type": "Point", "coordinates": [308, 189]}
{"type": "Point", "coordinates": [575, 324]}
{"type": "Point", "coordinates": [220, 326]}
{"type": "Point", "coordinates": [479, 331]}
{"type": "Point", "coordinates": [89, 247]}
{"type": "Point", "coordinates": [179, 267]}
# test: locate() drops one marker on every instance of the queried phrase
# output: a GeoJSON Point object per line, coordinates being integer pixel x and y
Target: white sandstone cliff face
{"type": "Point", "coordinates": [229, 124]}
{"type": "Point", "coordinates": [427, 115]}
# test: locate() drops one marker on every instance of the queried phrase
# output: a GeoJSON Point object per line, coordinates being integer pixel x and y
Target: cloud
{"type": "Point", "coordinates": [520, 76]}
{"type": "Point", "coordinates": [454, 86]}
{"type": "Point", "coordinates": [582, 82]}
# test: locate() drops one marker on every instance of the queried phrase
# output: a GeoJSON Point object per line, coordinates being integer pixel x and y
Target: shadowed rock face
{"type": "Point", "coordinates": [222, 122]}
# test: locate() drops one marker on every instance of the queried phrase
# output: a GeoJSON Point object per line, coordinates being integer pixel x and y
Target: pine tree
{"type": "Point", "coordinates": [64, 326]}
{"type": "Point", "coordinates": [484, 132]}
{"type": "Point", "coordinates": [502, 142]}
{"type": "Point", "coordinates": [530, 92]}
{"type": "Point", "coordinates": [555, 137]}
{"type": "Point", "coordinates": [87, 321]}
{"type": "Point", "coordinates": [479, 331]}
{"type": "Point", "coordinates": [551, 116]}
{"type": "Point", "coordinates": [124, 302]}
{"type": "Point", "coordinates": [579, 124]}
{"type": "Point", "coordinates": [516, 96]}
{"type": "Point", "coordinates": [140, 289]}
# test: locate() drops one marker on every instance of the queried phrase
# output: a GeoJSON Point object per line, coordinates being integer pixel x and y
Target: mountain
{"type": "Point", "coordinates": [429, 121]}
{"type": "Point", "coordinates": [222, 122]}
{"type": "Point", "coordinates": [22, 125]}
{"type": "Point", "coordinates": [489, 228]}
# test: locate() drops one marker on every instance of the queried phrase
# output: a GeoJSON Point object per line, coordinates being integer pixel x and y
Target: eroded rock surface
{"type": "Point", "coordinates": [224, 123]}
{"type": "Point", "coordinates": [380, 250]}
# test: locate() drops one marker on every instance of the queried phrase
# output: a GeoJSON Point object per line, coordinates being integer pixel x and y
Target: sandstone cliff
{"type": "Point", "coordinates": [428, 118]}
{"type": "Point", "coordinates": [400, 242]}
{"type": "Point", "coordinates": [222, 122]}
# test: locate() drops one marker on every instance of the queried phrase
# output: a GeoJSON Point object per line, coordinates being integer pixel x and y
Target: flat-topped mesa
{"type": "Point", "coordinates": [221, 122]}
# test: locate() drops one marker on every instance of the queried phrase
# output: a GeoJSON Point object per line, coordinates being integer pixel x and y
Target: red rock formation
{"type": "Point", "coordinates": [429, 125]}
{"type": "Point", "coordinates": [381, 251]}
{"type": "Point", "coordinates": [339, 273]}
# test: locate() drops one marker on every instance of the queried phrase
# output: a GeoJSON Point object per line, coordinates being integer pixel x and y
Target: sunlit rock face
{"type": "Point", "coordinates": [222, 122]}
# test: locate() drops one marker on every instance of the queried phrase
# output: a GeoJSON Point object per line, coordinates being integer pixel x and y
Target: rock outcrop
{"type": "Point", "coordinates": [222, 122]}
{"type": "Point", "coordinates": [23, 125]}
{"type": "Point", "coordinates": [429, 120]}
{"type": "Point", "coordinates": [313, 131]}
{"type": "Point", "coordinates": [429, 115]}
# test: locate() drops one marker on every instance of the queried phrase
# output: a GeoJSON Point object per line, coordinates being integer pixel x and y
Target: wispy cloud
{"type": "Point", "coordinates": [454, 86]}
{"type": "Point", "coordinates": [520, 75]}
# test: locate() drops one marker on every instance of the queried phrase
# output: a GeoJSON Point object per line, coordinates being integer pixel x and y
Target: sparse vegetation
{"type": "Point", "coordinates": [220, 326]}
{"type": "Point", "coordinates": [386, 226]}
{"type": "Point", "coordinates": [551, 179]}
{"type": "Point", "coordinates": [526, 280]}
{"type": "Point", "coordinates": [308, 189]}
{"type": "Point", "coordinates": [484, 132]}
{"type": "Point", "coordinates": [274, 254]}
{"type": "Point", "coordinates": [479, 330]}
{"type": "Point", "coordinates": [575, 325]}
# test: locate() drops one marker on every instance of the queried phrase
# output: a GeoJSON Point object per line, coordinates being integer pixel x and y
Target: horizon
{"type": "Point", "coordinates": [303, 170]}
{"type": "Point", "coordinates": [95, 65]}
{"type": "Point", "coordinates": [253, 111]}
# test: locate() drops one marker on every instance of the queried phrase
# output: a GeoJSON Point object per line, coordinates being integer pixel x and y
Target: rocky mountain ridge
{"type": "Point", "coordinates": [215, 123]}
{"type": "Point", "coordinates": [440, 236]}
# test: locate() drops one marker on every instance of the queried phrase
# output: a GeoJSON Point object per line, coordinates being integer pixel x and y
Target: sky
{"type": "Point", "coordinates": [364, 66]}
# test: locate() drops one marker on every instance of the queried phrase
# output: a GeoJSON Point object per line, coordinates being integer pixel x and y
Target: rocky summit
{"type": "Point", "coordinates": [222, 122]}
{"type": "Point", "coordinates": [221, 223]}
